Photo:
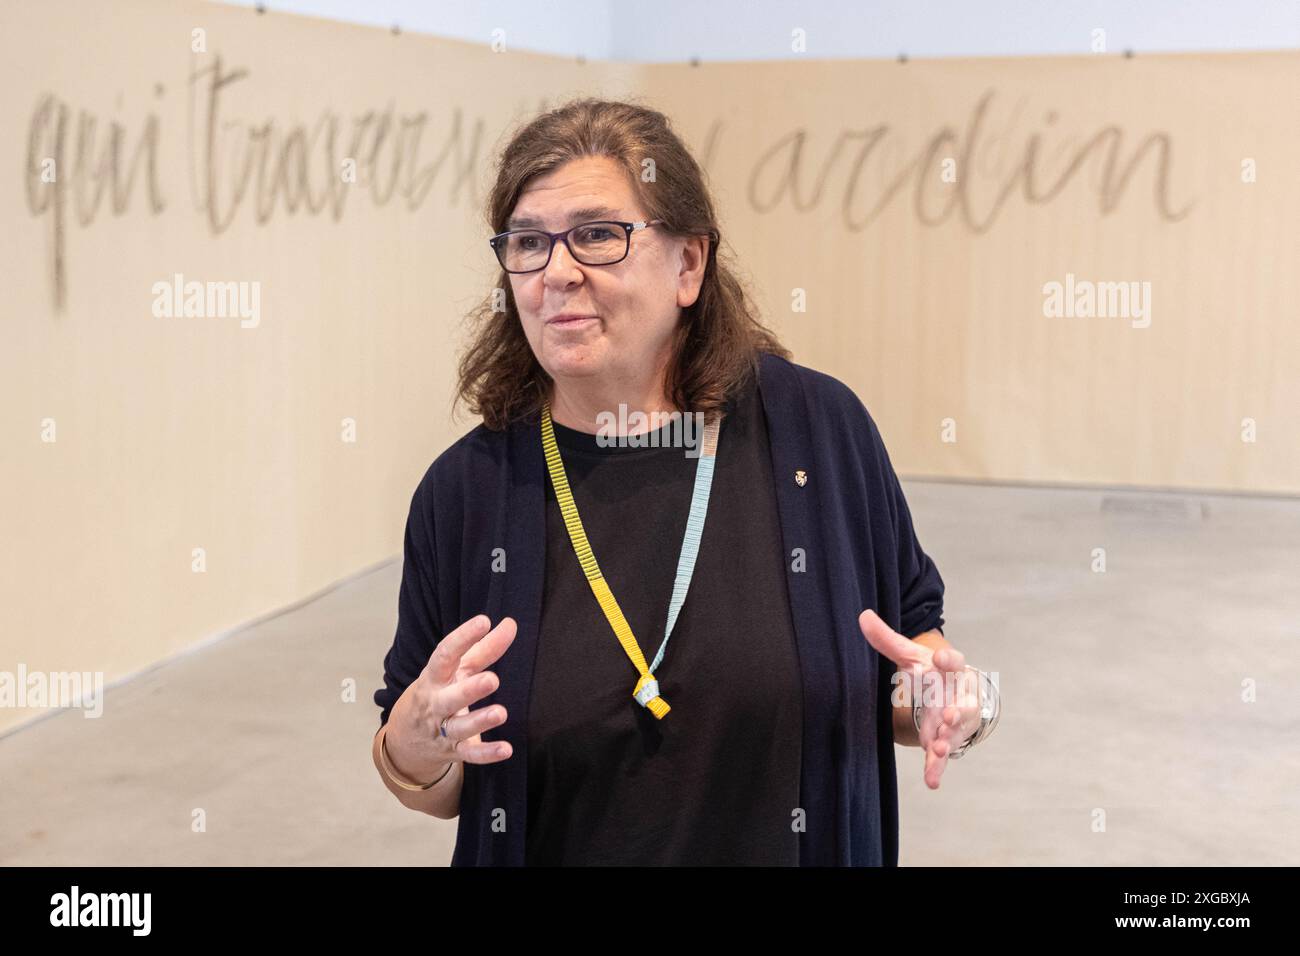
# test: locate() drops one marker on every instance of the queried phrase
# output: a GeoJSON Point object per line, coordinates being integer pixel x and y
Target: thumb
{"type": "Point", "coordinates": [889, 642]}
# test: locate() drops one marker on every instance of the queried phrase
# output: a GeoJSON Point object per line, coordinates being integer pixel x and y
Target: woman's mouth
{"type": "Point", "coordinates": [571, 321]}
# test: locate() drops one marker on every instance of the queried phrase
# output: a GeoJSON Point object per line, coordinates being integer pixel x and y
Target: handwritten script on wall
{"type": "Point", "coordinates": [964, 176]}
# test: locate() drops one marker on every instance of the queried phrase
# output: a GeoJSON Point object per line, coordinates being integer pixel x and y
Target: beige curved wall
{"type": "Point", "coordinates": [130, 439]}
{"type": "Point", "coordinates": [923, 207]}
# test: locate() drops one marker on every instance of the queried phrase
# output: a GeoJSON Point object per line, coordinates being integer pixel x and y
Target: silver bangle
{"type": "Point", "coordinates": [990, 711]}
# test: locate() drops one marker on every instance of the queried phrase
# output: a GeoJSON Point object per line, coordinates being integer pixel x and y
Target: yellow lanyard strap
{"type": "Point", "coordinates": [646, 691]}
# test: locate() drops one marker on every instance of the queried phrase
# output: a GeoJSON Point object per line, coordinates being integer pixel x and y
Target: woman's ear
{"type": "Point", "coordinates": [694, 259]}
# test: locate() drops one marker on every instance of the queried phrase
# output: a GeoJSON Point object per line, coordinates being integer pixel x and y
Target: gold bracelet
{"type": "Point", "coordinates": [391, 772]}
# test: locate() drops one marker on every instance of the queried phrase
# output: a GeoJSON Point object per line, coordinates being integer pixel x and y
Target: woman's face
{"type": "Point", "coordinates": [635, 304]}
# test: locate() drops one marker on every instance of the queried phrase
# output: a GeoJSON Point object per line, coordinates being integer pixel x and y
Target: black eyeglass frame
{"type": "Point", "coordinates": [497, 241]}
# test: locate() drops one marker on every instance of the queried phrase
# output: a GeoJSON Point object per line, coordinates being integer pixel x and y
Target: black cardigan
{"type": "Point", "coordinates": [848, 517]}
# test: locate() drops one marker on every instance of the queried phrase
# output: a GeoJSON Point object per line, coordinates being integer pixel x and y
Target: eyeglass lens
{"type": "Point", "coordinates": [592, 244]}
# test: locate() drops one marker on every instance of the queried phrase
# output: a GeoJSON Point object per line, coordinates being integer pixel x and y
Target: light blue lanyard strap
{"type": "Point", "coordinates": [694, 531]}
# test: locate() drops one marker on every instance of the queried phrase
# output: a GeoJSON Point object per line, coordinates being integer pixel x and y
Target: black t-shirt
{"type": "Point", "coordinates": [716, 782]}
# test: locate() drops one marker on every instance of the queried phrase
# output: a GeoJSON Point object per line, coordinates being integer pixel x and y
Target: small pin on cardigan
{"type": "Point", "coordinates": [800, 477]}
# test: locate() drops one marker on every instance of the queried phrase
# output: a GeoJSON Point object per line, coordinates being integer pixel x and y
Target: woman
{"type": "Point", "coordinates": [606, 718]}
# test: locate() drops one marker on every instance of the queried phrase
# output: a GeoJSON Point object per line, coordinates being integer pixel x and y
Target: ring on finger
{"type": "Point", "coordinates": [442, 728]}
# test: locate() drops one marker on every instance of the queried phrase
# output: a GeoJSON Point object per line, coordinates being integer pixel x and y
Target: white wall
{"type": "Point", "coordinates": [560, 27]}
{"type": "Point", "coordinates": [761, 29]}
{"type": "Point", "coordinates": [676, 30]}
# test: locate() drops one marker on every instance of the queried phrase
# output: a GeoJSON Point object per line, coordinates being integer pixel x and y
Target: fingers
{"type": "Point", "coordinates": [950, 719]}
{"type": "Point", "coordinates": [911, 658]}
{"type": "Point", "coordinates": [471, 646]}
{"type": "Point", "coordinates": [950, 659]}
{"type": "Point", "coordinates": [939, 723]}
{"type": "Point", "coordinates": [457, 696]}
{"type": "Point", "coordinates": [940, 736]}
{"type": "Point", "coordinates": [936, 759]}
{"type": "Point", "coordinates": [944, 743]}
{"type": "Point", "coordinates": [463, 732]}
{"type": "Point", "coordinates": [444, 660]}
{"type": "Point", "coordinates": [491, 751]}
{"type": "Point", "coordinates": [969, 705]}
{"type": "Point", "coordinates": [431, 751]}
{"type": "Point", "coordinates": [948, 683]}
{"type": "Point", "coordinates": [890, 643]}
{"type": "Point", "coordinates": [488, 650]}
{"type": "Point", "coordinates": [960, 701]}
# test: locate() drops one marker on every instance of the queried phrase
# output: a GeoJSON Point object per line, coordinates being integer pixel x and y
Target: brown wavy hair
{"type": "Point", "coordinates": [718, 339]}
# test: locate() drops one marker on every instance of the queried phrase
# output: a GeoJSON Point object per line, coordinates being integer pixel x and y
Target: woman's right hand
{"type": "Point", "coordinates": [453, 679]}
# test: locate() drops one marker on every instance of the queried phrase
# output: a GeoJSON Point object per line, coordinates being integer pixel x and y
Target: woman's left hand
{"type": "Point", "coordinates": [950, 711]}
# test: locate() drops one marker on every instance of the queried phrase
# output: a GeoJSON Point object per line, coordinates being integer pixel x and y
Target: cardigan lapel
{"type": "Point", "coordinates": [790, 430]}
{"type": "Point", "coordinates": [517, 593]}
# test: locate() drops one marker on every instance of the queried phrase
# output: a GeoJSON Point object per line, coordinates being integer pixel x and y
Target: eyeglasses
{"type": "Point", "coordinates": [601, 243]}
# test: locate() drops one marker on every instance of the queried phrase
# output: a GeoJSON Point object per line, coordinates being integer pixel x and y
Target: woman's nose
{"type": "Point", "coordinates": [562, 267]}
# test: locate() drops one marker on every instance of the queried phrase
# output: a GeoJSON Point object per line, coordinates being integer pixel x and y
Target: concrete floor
{"type": "Point", "coordinates": [1122, 700]}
